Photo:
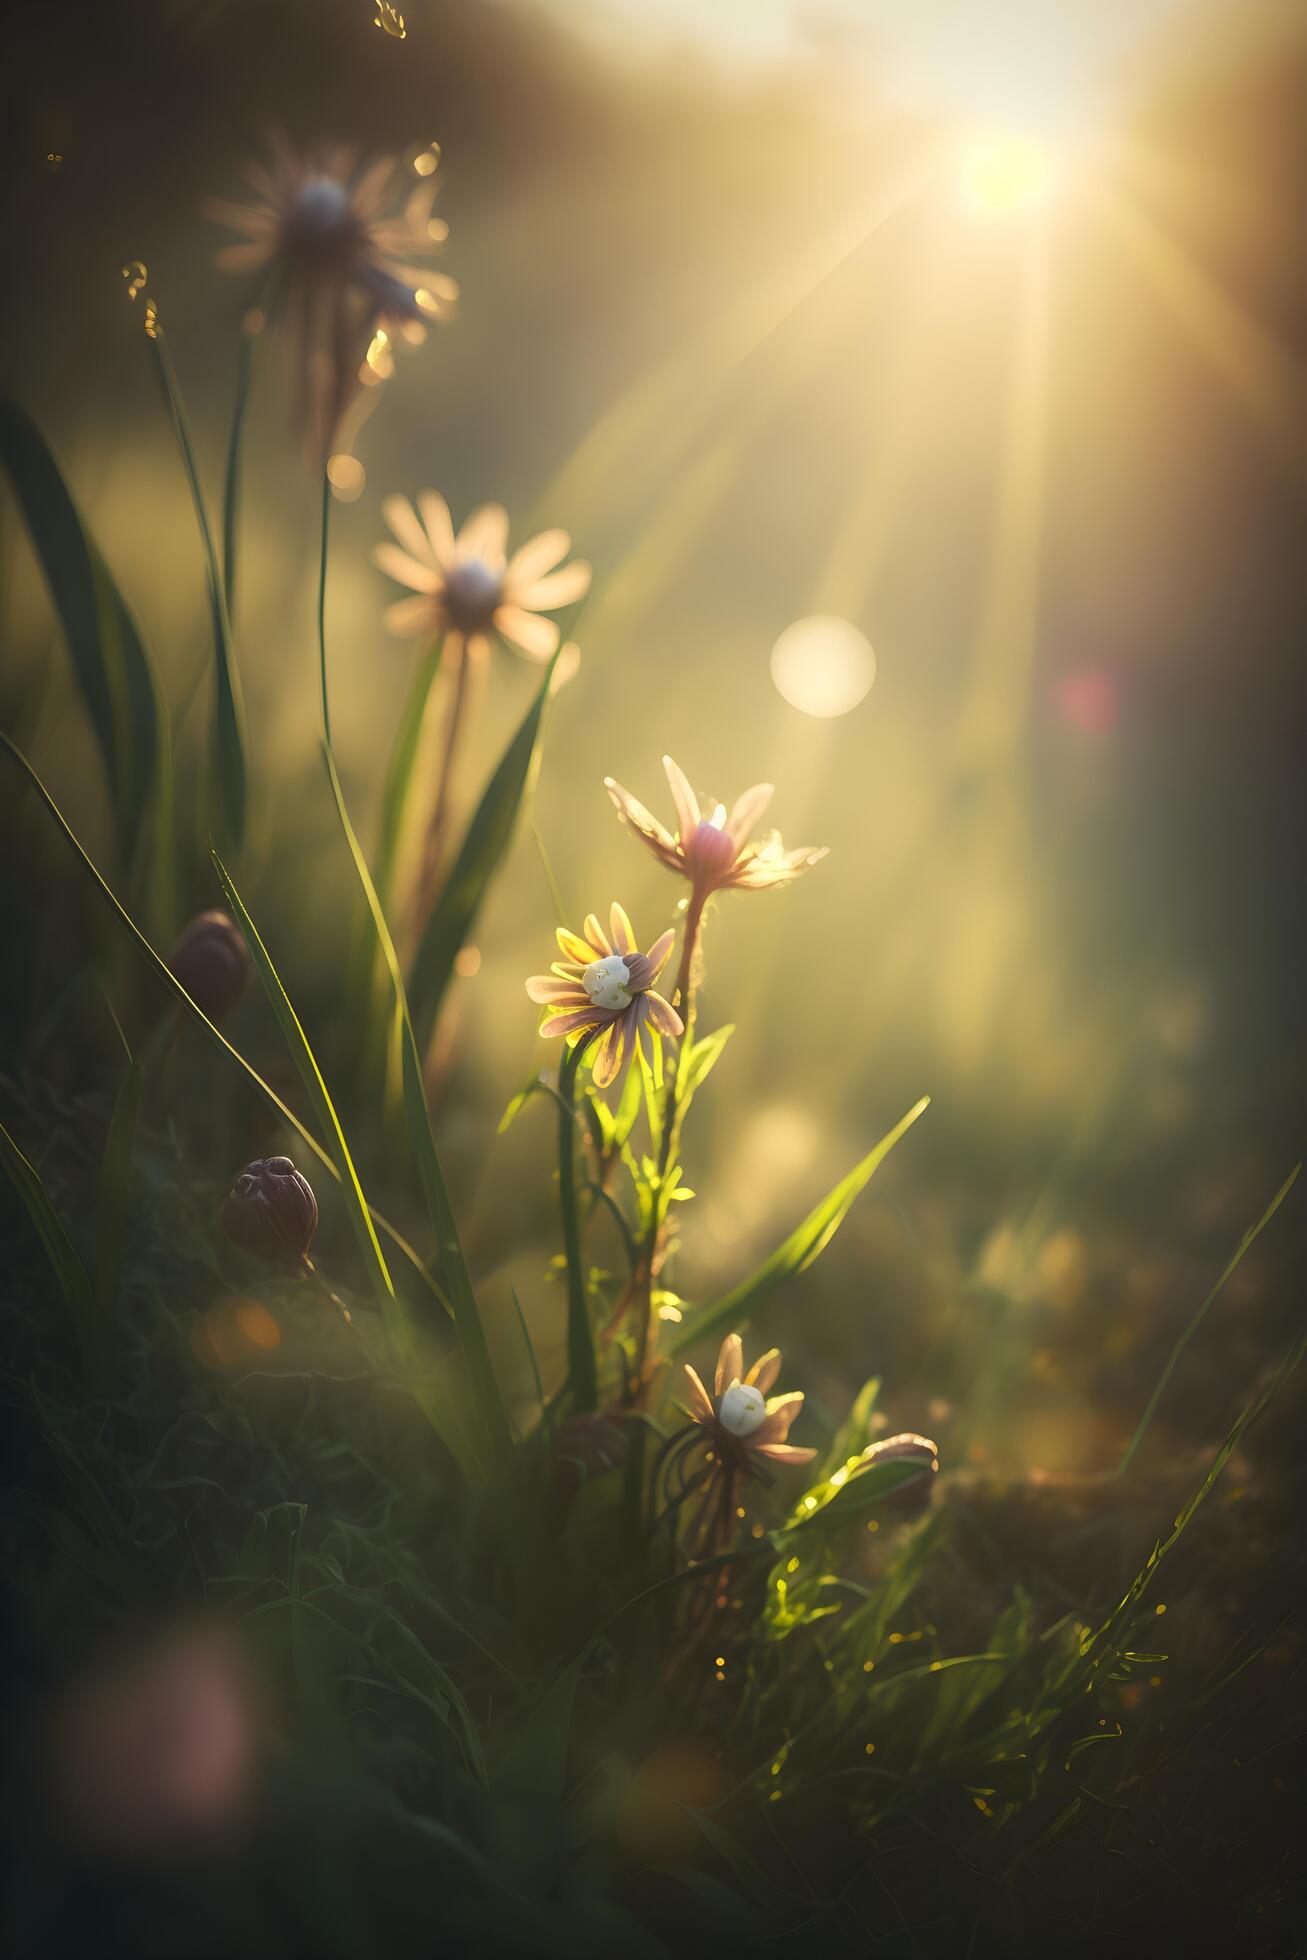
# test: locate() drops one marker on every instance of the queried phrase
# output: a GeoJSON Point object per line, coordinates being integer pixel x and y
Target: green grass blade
{"type": "Point", "coordinates": [306, 1062]}
{"type": "Point", "coordinates": [360, 992]}
{"type": "Point", "coordinates": [231, 489]}
{"type": "Point", "coordinates": [95, 1332]}
{"type": "Point", "coordinates": [229, 719]}
{"type": "Point", "coordinates": [487, 840]}
{"type": "Point", "coordinates": [798, 1251]}
{"type": "Point", "coordinates": [179, 993]}
{"type": "Point", "coordinates": [451, 1266]}
{"type": "Point", "coordinates": [113, 668]}
{"type": "Point", "coordinates": [113, 1192]}
{"type": "Point", "coordinates": [583, 1375]}
{"type": "Point", "coordinates": [1249, 1238]}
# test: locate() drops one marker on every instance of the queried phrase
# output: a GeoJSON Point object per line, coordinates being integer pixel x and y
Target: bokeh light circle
{"type": "Point", "coordinates": [823, 666]}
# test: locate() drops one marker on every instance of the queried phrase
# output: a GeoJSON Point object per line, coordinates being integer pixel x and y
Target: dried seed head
{"type": "Point", "coordinates": [213, 963]}
{"type": "Point", "coordinates": [271, 1211]}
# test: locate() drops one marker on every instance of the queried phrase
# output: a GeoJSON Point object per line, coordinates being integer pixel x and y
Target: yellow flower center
{"type": "Point", "coordinates": [606, 982]}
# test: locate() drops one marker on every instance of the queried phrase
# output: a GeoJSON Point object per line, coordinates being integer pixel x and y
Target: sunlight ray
{"type": "Point", "coordinates": [1247, 356]}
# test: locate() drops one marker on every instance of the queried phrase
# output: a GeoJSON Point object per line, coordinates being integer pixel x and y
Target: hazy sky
{"type": "Point", "coordinates": [1031, 62]}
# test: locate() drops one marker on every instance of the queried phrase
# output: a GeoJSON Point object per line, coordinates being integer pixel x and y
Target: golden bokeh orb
{"type": "Point", "coordinates": [823, 666]}
{"type": "Point", "coordinates": [1003, 176]}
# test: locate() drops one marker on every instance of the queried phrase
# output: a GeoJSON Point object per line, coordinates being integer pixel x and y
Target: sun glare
{"type": "Point", "coordinates": [1005, 176]}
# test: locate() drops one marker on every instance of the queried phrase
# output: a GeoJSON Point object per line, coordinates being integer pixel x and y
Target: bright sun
{"type": "Point", "coordinates": [1007, 175]}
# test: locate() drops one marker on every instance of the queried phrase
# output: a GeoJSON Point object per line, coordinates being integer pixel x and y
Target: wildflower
{"type": "Point", "coordinates": [271, 1211]}
{"type": "Point", "coordinates": [714, 852]}
{"type": "Point", "coordinates": [603, 982]}
{"type": "Point", "coordinates": [742, 1422]}
{"type": "Point", "coordinates": [212, 962]}
{"type": "Point", "coordinates": [467, 587]}
{"type": "Point", "coordinates": [914, 1498]}
{"type": "Point", "coordinates": [330, 230]}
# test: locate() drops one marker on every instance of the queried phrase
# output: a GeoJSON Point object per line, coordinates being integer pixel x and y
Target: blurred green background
{"type": "Point", "coordinates": [729, 315]}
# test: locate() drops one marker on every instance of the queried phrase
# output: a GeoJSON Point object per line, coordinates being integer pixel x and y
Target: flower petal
{"type": "Point", "coordinates": [608, 1055]}
{"type": "Point", "coordinates": [622, 929]}
{"type": "Point", "coordinates": [701, 1408]}
{"type": "Point", "coordinates": [403, 521]}
{"type": "Point", "coordinates": [748, 811]}
{"type": "Point", "coordinates": [784, 1453]}
{"type": "Point", "coordinates": [439, 527]}
{"type": "Point", "coordinates": [730, 1363]}
{"type": "Point", "coordinates": [781, 1411]}
{"type": "Point", "coordinates": [398, 565]}
{"type": "Point", "coordinates": [573, 947]}
{"type": "Point", "coordinates": [687, 803]}
{"type": "Point", "coordinates": [598, 938]}
{"type": "Point", "coordinates": [764, 1370]}
{"type": "Point", "coordinates": [663, 1016]}
{"type": "Point", "coordinates": [410, 616]}
{"type": "Point", "coordinates": [558, 589]}
{"type": "Point", "coordinates": [583, 1017]}
{"type": "Point", "coordinates": [531, 635]}
{"type": "Point", "coordinates": [546, 990]}
{"type": "Point", "coordinates": [632, 811]}
{"type": "Point", "coordinates": [485, 535]}
{"type": "Point", "coordinates": [537, 555]}
{"type": "Point", "coordinates": [658, 953]}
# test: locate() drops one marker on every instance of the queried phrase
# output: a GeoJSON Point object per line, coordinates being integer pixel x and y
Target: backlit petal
{"type": "Point", "coordinates": [537, 556]}
{"type": "Point", "coordinates": [748, 811]}
{"type": "Point", "coordinates": [558, 589]}
{"type": "Point", "coordinates": [531, 635]}
{"type": "Point", "coordinates": [687, 803]}
{"type": "Point", "coordinates": [398, 565]}
{"type": "Point", "coordinates": [730, 1363]}
{"type": "Point", "coordinates": [439, 528]}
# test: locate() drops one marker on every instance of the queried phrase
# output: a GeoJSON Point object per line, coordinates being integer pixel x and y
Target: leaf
{"type": "Point", "coordinates": [113, 1191]}
{"type": "Point", "coordinates": [854, 1433]}
{"type": "Point", "coordinates": [701, 1060]}
{"type": "Point", "coordinates": [1253, 1233]}
{"type": "Point", "coordinates": [799, 1250]}
{"type": "Point", "coordinates": [166, 975]}
{"type": "Point", "coordinates": [483, 848]}
{"type": "Point", "coordinates": [95, 1333]}
{"type": "Point", "coordinates": [113, 669]}
{"type": "Point", "coordinates": [852, 1494]}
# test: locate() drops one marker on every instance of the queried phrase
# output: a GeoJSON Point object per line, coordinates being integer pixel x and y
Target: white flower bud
{"type": "Point", "coordinates": [605, 982]}
{"type": "Point", "coordinates": [743, 1409]}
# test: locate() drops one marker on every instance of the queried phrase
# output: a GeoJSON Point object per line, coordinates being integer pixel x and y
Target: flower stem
{"type": "Point", "coordinates": [429, 875]}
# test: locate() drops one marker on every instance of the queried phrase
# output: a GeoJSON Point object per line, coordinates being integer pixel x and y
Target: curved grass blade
{"type": "Point", "coordinates": [113, 668]}
{"type": "Point", "coordinates": [1253, 1233]}
{"type": "Point", "coordinates": [488, 837]}
{"type": "Point", "coordinates": [231, 488]}
{"type": "Point", "coordinates": [799, 1250]}
{"type": "Point", "coordinates": [383, 1287]}
{"type": "Point", "coordinates": [229, 718]}
{"type": "Point", "coordinates": [95, 1331]}
{"type": "Point", "coordinates": [582, 1371]}
{"type": "Point", "coordinates": [174, 986]}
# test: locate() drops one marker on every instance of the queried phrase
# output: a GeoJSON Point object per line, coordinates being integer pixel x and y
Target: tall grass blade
{"type": "Point", "coordinates": [95, 1331]}
{"type": "Point", "coordinates": [799, 1250]}
{"type": "Point", "coordinates": [231, 488]}
{"type": "Point", "coordinates": [114, 671]}
{"type": "Point", "coordinates": [483, 848]}
{"type": "Point", "coordinates": [1249, 1238]}
{"type": "Point", "coordinates": [229, 762]}
{"type": "Point", "coordinates": [179, 993]}
{"type": "Point", "coordinates": [496, 1432]}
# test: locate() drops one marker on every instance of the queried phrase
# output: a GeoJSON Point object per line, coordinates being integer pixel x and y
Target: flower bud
{"type": "Point", "coordinates": [213, 963]}
{"type": "Point", "coordinates": [271, 1210]}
